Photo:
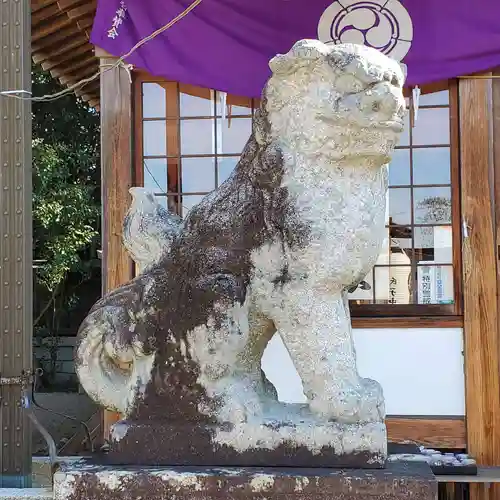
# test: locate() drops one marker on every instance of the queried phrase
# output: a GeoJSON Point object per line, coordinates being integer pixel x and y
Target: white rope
{"type": "Point", "coordinates": [9, 92]}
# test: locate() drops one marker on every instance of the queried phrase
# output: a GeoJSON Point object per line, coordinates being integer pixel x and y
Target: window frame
{"type": "Point", "coordinates": [364, 315]}
{"type": "Point", "coordinates": [173, 124]}
{"type": "Point", "coordinates": [437, 311]}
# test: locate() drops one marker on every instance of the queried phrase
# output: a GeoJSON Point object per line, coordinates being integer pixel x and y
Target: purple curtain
{"type": "Point", "coordinates": [226, 44]}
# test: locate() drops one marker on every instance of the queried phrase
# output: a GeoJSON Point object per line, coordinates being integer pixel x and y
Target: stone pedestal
{"type": "Point", "coordinates": [85, 481]}
{"type": "Point", "coordinates": [297, 443]}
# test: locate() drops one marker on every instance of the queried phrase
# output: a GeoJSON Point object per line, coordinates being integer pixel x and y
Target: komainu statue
{"type": "Point", "coordinates": [274, 250]}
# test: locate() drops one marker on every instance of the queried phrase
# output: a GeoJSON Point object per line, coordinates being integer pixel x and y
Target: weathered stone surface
{"type": "Point", "coordinates": [397, 481]}
{"type": "Point", "coordinates": [276, 248]}
{"type": "Point", "coordinates": [313, 445]}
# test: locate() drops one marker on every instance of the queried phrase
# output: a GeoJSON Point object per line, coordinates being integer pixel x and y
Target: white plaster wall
{"type": "Point", "coordinates": [421, 370]}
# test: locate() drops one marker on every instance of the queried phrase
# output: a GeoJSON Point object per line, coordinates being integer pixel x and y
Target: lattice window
{"type": "Point", "coordinates": [420, 260]}
{"type": "Point", "coordinates": [190, 144]}
{"type": "Point", "coordinates": [188, 141]}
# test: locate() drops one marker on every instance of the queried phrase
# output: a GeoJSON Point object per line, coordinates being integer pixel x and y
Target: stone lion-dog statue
{"type": "Point", "coordinates": [275, 249]}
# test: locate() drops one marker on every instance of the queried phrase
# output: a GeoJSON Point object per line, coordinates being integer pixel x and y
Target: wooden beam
{"type": "Point", "coordinates": [74, 67]}
{"type": "Point", "coordinates": [44, 54]}
{"type": "Point", "coordinates": [116, 164]}
{"type": "Point", "coordinates": [83, 10]}
{"type": "Point", "coordinates": [71, 77]}
{"type": "Point", "coordinates": [44, 14]}
{"type": "Point", "coordinates": [47, 29]}
{"type": "Point", "coordinates": [57, 38]}
{"type": "Point", "coordinates": [68, 57]}
{"type": "Point", "coordinates": [482, 387]}
{"type": "Point", "coordinates": [90, 88]}
{"type": "Point", "coordinates": [36, 5]}
{"type": "Point", "coordinates": [88, 97]}
{"type": "Point", "coordinates": [495, 112]}
{"type": "Point", "coordinates": [95, 103]}
{"type": "Point", "coordinates": [435, 432]}
{"type": "Point", "coordinates": [67, 4]}
{"type": "Point", "coordinates": [85, 23]}
{"type": "Point", "coordinates": [377, 322]}
{"type": "Point", "coordinates": [496, 169]}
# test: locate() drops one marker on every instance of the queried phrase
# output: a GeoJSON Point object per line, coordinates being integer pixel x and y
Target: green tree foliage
{"type": "Point", "coordinates": [64, 211]}
{"type": "Point", "coordinates": [66, 206]}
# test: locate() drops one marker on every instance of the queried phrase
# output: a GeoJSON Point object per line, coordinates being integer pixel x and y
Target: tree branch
{"type": "Point", "coordinates": [47, 305]}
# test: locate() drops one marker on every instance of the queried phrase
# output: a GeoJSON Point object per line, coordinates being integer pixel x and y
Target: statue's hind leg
{"type": "Point", "coordinates": [261, 330]}
{"type": "Point", "coordinates": [228, 349]}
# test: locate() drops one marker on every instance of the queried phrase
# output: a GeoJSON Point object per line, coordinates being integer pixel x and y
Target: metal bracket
{"type": "Point", "coordinates": [24, 380]}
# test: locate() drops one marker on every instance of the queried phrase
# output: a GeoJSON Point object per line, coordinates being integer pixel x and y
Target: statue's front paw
{"type": "Point", "coordinates": [372, 408]}
{"type": "Point", "coordinates": [363, 402]}
{"type": "Point", "coordinates": [238, 401]}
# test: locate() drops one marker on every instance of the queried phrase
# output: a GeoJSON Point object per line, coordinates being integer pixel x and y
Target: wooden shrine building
{"type": "Point", "coordinates": [433, 311]}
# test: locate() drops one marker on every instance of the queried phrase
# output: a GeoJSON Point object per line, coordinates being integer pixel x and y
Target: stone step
{"type": "Point", "coordinates": [26, 493]}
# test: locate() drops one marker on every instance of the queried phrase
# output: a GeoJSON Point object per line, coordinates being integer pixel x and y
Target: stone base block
{"type": "Point", "coordinates": [26, 494]}
{"type": "Point", "coordinates": [413, 481]}
{"type": "Point", "coordinates": [294, 444]}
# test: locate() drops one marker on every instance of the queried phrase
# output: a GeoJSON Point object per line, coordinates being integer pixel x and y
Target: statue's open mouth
{"type": "Point", "coordinates": [395, 124]}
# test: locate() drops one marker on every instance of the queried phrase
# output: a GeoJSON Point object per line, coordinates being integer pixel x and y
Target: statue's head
{"type": "Point", "coordinates": [338, 101]}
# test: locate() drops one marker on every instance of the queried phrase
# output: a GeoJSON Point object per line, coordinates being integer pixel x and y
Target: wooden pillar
{"type": "Point", "coordinates": [495, 129]}
{"type": "Point", "coordinates": [116, 175]}
{"type": "Point", "coordinates": [482, 378]}
{"type": "Point", "coordinates": [16, 279]}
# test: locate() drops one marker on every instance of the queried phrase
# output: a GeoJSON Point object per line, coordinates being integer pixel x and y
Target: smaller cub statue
{"type": "Point", "coordinates": [274, 250]}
